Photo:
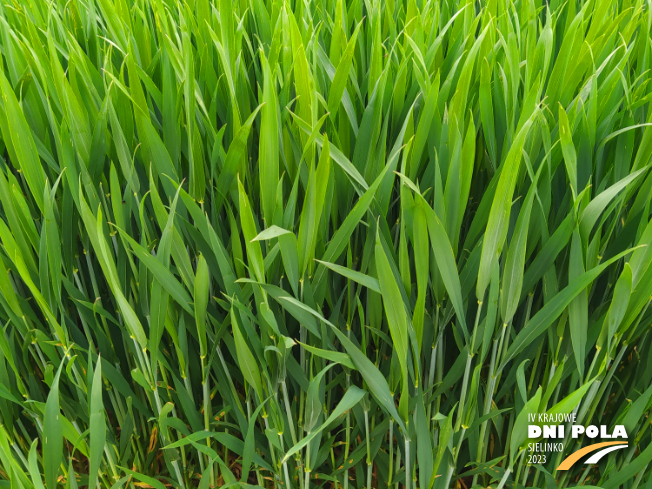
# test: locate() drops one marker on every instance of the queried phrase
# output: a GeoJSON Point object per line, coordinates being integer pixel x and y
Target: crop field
{"type": "Point", "coordinates": [339, 244]}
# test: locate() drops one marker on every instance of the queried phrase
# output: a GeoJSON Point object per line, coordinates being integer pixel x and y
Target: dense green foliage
{"type": "Point", "coordinates": [335, 243]}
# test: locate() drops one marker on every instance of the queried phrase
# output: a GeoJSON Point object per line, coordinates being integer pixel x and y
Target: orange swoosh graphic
{"type": "Point", "coordinates": [575, 456]}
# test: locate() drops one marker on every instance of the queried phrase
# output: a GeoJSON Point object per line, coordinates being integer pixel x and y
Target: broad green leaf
{"type": "Point", "coordinates": [551, 311]}
{"type": "Point", "coordinates": [496, 232]}
{"type": "Point", "coordinates": [23, 142]}
{"type": "Point", "coordinates": [352, 396]}
{"type": "Point", "coordinates": [52, 434]}
{"type": "Point", "coordinates": [271, 233]}
{"type": "Point", "coordinates": [372, 376]}
{"type": "Point", "coordinates": [513, 274]}
{"type": "Point", "coordinates": [202, 281]}
{"type": "Point", "coordinates": [578, 310]}
{"type": "Point", "coordinates": [520, 430]}
{"type": "Point", "coordinates": [269, 143]}
{"type": "Point", "coordinates": [97, 426]}
{"type": "Point", "coordinates": [361, 278]}
{"type": "Point", "coordinates": [396, 317]}
{"type": "Point", "coordinates": [568, 149]}
{"type": "Point", "coordinates": [254, 251]}
{"type": "Point", "coordinates": [246, 359]}
{"type": "Point", "coordinates": [599, 203]}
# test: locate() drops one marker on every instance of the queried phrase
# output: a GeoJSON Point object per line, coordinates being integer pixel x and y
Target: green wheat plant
{"type": "Point", "coordinates": [323, 243]}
